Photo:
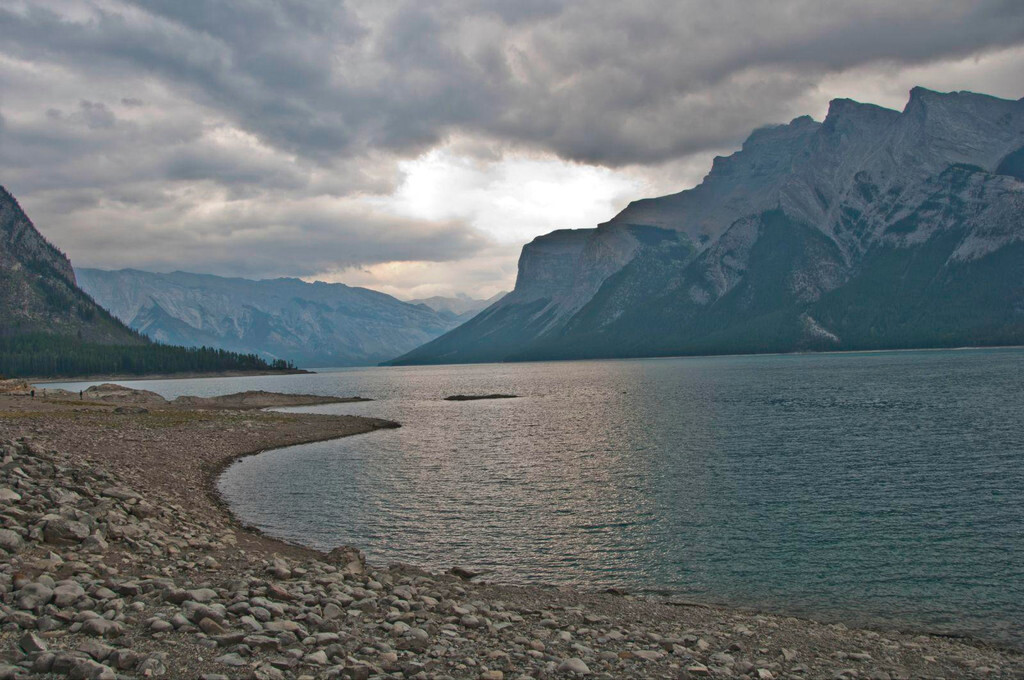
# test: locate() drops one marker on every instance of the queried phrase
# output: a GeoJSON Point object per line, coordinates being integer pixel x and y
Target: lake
{"type": "Point", "coordinates": [873, 488]}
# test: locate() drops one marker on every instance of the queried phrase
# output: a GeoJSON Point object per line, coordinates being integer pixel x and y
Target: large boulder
{"type": "Point", "coordinates": [348, 558]}
{"type": "Point", "coordinates": [34, 595]}
{"type": "Point", "coordinates": [63, 530]}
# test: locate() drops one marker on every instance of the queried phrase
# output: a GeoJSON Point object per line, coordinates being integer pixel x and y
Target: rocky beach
{"type": "Point", "coordinates": [120, 560]}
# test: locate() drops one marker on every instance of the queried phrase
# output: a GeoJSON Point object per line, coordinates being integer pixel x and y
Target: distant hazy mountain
{"type": "Point", "coordinates": [461, 307]}
{"type": "Point", "coordinates": [313, 324]}
{"type": "Point", "coordinates": [873, 229]}
{"type": "Point", "coordinates": [38, 291]}
{"type": "Point", "coordinates": [51, 327]}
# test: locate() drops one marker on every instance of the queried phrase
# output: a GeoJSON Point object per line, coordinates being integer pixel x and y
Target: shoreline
{"type": "Point", "coordinates": [164, 376]}
{"type": "Point", "coordinates": [652, 595]}
{"type": "Point", "coordinates": [213, 473]}
{"type": "Point", "coordinates": [330, 610]}
{"type": "Point", "coordinates": [794, 353]}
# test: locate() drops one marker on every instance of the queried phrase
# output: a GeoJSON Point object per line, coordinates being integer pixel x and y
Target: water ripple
{"type": "Point", "coordinates": [877, 488]}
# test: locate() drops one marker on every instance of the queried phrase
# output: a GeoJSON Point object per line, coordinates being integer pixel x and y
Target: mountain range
{"type": "Point", "coordinates": [313, 324]}
{"type": "Point", "coordinates": [50, 327]}
{"type": "Point", "coordinates": [459, 308]}
{"type": "Point", "coordinates": [871, 229]}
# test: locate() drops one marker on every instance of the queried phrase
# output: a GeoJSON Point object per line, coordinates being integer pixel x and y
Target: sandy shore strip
{"type": "Point", "coordinates": [119, 560]}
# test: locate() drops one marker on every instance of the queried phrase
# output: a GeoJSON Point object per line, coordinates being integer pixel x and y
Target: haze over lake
{"type": "Point", "coordinates": [880, 487]}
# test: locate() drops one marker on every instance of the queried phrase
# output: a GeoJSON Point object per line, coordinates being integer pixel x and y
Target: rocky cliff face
{"type": "Point", "coordinates": [38, 291]}
{"type": "Point", "coordinates": [874, 228]}
{"type": "Point", "coordinates": [313, 324]}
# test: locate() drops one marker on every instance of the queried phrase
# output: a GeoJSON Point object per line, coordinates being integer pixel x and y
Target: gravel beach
{"type": "Point", "coordinates": [118, 559]}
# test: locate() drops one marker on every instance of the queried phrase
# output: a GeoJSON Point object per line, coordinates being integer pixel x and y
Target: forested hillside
{"type": "Point", "coordinates": [50, 327]}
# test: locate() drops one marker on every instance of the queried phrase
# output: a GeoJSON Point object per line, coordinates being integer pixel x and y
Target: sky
{"type": "Point", "coordinates": [415, 147]}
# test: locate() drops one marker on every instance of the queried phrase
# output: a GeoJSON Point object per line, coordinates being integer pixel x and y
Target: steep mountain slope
{"type": "Point", "coordinates": [314, 324]}
{"type": "Point", "coordinates": [38, 291]}
{"type": "Point", "coordinates": [874, 228]}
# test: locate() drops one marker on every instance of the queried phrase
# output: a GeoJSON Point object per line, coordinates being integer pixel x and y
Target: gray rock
{"type": "Point", "coordinates": [95, 544]}
{"type": "Point", "coordinates": [96, 650]}
{"type": "Point", "coordinates": [176, 595]}
{"type": "Point", "coordinates": [45, 624]}
{"type": "Point", "coordinates": [34, 595]}
{"type": "Point", "coordinates": [102, 628]}
{"type": "Point", "coordinates": [8, 672]}
{"type": "Point", "coordinates": [11, 541]}
{"type": "Point", "coordinates": [575, 666]}
{"type": "Point", "coordinates": [267, 672]}
{"type": "Point", "coordinates": [63, 662]}
{"type": "Point", "coordinates": [67, 594]}
{"type": "Point", "coordinates": [87, 669]}
{"type": "Point", "coordinates": [160, 626]}
{"type": "Point", "coordinates": [43, 663]}
{"type": "Point", "coordinates": [104, 594]}
{"type": "Point", "coordinates": [318, 658]}
{"type": "Point", "coordinates": [210, 627]}
{"type": "Point", "coordinates": [196, 612]}
{"type": "Point", "coordinates": [120, 493]}
{"type": "Point", "coordinates": [280, 569]}
{"type": "Point", "coordinates": [202, 595]}
{"type": "Point", "coordinates": [283, 627]}
{"type": "Point", "coordinates": [232, 659]}
{"type": "Point", "coordinates": [153, 665]}
{"type": "Point", "coordinates": [62, 530]}
{"type": "Point", "coordinates": [123, 659]}
{"type": "Point", "coordinates": [349, 559]}
{"type": "Point", "coordinates": [31, 643]}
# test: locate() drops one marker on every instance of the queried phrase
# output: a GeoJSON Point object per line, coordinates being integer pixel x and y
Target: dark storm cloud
{"type": "Point", "coordinates": [199, 105]}
{"type": "Point", "coordinates": [325, 80]}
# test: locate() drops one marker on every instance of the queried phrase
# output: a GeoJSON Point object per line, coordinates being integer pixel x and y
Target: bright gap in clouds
{"type": "Point", "coordinates": [511, 199]}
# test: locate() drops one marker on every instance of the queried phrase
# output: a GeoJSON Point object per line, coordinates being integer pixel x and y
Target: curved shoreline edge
{"type": "Point", "coordinates": [215, 473]}
{"type": "Point", "coordinates": [328, 614]}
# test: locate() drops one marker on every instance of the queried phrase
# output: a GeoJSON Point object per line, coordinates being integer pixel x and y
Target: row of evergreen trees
{"type": "Point", "coordinates": [41, 355]}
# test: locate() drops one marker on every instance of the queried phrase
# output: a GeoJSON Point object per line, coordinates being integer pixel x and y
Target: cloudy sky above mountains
{"type": "Point", "coordinates": [414, 147]}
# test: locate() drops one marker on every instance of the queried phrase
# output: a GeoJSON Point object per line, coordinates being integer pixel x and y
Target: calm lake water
{"type": "Point", "coordinates": [875, 488]}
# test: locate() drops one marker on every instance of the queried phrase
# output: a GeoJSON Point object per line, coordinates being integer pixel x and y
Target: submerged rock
{"type": "Point", "coordinates": [475, 397]}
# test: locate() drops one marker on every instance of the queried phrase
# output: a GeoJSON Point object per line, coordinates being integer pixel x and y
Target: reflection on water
{"type": "Point", "coordinates": [884, 487]}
